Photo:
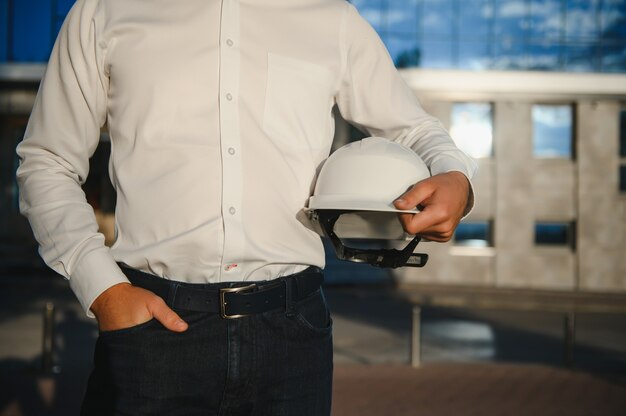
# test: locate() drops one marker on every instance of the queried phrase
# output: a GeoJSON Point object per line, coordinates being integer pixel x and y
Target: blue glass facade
{"type": "Point", "coordinates": [28, 28]}
{"type": "Point", "coordinates": [551, 35]}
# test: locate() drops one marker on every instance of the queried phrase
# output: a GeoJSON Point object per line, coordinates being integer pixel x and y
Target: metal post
{"type": "Point", "coordinates": [416, 347]}
{"type": "Point", "coordinates": [47, 356]}
{"type": "Point", "coordinates": [569, 335]}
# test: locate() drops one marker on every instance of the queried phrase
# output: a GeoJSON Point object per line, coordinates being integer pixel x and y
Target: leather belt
{"type": "Point", "coordinates": [230, 299]}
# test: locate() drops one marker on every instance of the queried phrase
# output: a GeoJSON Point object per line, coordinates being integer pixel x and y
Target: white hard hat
{"type": "Point", "coordinates": [359, 182]}
{"type": "Point", "coordinates": [367, 175]}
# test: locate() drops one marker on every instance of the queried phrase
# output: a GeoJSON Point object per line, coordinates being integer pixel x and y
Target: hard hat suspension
{"type": "Point", "coordinates": [391, 258]}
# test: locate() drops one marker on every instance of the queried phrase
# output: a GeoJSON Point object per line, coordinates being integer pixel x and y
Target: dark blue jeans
{"type": "Point", "coordinates": [274, 363]}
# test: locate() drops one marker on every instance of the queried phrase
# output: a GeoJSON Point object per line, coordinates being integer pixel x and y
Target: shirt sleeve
{"type": "Point", "coordinates": [374, 97]}
{"type": "Point", "coordinates": [62, 134]}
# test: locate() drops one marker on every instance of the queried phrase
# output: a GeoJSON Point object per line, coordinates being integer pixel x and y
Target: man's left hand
{"type": "Point", "coordinates": [441, 199]}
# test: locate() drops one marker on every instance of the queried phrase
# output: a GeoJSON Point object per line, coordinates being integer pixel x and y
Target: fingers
{"type": "Point", "coordinates": [442, 199]}
{"type": "Point", "coordinates": [162, 313]}
{"type": "Point", "coordinates": [414, 196]}
{"type": "Point", "coordinates": [417, 195]}
{"type": "Point", "coordinates": [432, 222]}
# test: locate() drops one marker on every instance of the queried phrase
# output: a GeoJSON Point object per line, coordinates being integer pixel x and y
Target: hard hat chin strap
{"type": "Point", "coordinates": [380, 258]}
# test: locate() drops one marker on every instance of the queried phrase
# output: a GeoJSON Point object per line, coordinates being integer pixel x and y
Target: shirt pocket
{"type": "Point", "coordinates": [298, 103]}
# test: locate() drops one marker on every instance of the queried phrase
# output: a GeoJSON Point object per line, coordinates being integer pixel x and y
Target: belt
{"type": "Point", "coordinates": [230, 299]}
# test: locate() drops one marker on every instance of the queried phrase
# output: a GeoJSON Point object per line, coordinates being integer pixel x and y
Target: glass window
{"type": "Point", "coordinates": [511, 19]}
{"type": "Point", "coordinates": [613, 57]}
{"type": "Point", "coordinates": [582, 19]}
{"type": "Point", "coordinates": [510, 54]}
{"type": "Point", "coordinates": [571, 35]}
{"type": "Point", "coordinates": [32, 31]}
{"type": "Point", "coordinates": [546, 35]}
{"type": "Point", "coordinates": [613, 19]}
{"type": "Point", "coordinates": [581, 57]}
{"type": "Point", "coordinates": [475, 19]}
{"type": "Point", "coordinates": [439, 19]}
{"type": "Point", "coordinates": [545, 56]}
{"type": "Point", "coordinates": [552, 130]}
{"type": "Point", "coordinates": [402, 16]}
{"type": "Point", "coordinates": [474, 55]}
{"type": "Point", "coordinates": [474, 234]}
{"type": "Point", "coordinates": [547, 20]}
{"type": "Point", "coordinates": [554, 234]}
{"type": "Point", "coordinates": [622, 178]}
{"type": "Point", "coordinates": [472, 128]}
{"type": "Point", "coordinates": [437, 55]}
{"type": "Point", "coordinates": [4, 30]}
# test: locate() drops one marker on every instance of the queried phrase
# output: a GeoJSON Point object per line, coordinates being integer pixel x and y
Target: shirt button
{"type": "Point", "coordinates": [231, 151]}
{"type": "Point", "coordinates": [229, 96]}
{"type": "Point", "coordinates": [232, 210]}
{"type": "Point", "coordinates": [229, 42]}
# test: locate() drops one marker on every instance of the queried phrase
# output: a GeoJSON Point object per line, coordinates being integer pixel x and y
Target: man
{"type": "Point", "coordinates": [219, 113]}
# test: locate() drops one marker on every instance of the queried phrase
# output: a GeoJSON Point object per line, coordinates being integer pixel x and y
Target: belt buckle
{"type": "Point", "coordinates": [223, 293]}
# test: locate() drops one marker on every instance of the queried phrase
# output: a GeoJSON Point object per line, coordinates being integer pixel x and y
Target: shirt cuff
{"type": "Point", "coordinates": [453, 165]}
{"type": "Point", "coordinates": [93, 274]}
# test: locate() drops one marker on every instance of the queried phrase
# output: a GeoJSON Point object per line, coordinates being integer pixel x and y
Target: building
{"type": "Point", "coordinates": [534, 89]}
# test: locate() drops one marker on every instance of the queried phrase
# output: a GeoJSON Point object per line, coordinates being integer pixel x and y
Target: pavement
{"type": "Point", "coordinates": [471, 389]}
{"type": "Point", "coordinates": [474, 362]}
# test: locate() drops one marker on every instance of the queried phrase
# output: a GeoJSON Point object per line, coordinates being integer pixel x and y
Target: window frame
{"type": "Point", "coordinates": [570, 234]}
{"type": "Point", "coordinates": [490, 235]}
{"type": "Point", "coordinates": [573, 130]}
{"type": "Point", "coordinates": [492, 109]}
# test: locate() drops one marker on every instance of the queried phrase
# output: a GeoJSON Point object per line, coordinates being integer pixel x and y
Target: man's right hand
{"type": "Point", "coordinates": [124, 305]}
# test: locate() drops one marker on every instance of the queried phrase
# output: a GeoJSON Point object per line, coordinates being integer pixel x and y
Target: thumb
{"type": "Point", "coordinates": [170, 319]}
{"type": "Point", "coordinates": [414, 196]}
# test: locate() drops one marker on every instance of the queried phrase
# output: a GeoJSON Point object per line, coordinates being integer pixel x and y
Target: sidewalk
{"type": "Point", "coordinates": [473, 390]}
{"type": "Point", "coordinates": [476, 363]}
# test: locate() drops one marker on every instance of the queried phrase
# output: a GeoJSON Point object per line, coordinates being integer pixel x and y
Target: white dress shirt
{"type": "Point", "coordinates": [219, 113]}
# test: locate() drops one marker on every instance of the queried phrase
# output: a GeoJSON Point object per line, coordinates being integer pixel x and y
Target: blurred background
{"type": "Point", "coordinates": [524, 311]}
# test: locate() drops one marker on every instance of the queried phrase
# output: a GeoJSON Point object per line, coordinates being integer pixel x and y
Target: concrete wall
{"type": "Point", "coordinates": [515, 190]}
{"type": "Point", "coordinates": [602, 223]}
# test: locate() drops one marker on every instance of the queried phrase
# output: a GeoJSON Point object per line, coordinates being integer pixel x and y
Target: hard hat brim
{"type": "Point", "coordinates": [349, 204]}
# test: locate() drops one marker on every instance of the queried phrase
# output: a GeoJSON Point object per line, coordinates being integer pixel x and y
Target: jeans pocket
{"type": "Point", "coordinates": [128, 330]}
{"type": "Point", "coordinates": [312, 313]}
